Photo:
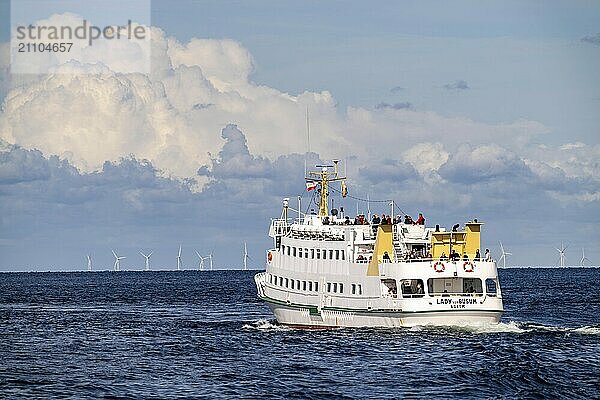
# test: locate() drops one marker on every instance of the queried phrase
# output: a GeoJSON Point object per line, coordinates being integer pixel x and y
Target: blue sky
{"type": "Point", "coordinates": [456, 109]}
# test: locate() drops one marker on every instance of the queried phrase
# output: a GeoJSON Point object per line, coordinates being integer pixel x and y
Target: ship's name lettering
{"type": "Point", "coordinates": [456, 303]}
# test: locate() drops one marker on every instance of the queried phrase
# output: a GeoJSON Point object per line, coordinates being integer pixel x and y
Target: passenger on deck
{"type": "Point", "coordinates": [455, 228]}
{"type": "Point", "coordinates": [465, 256]}
{"type": "Point", "coordinates": [383, 219]}
{"type": "Point", "coordinates": [347, 221]}
{"type": "Point", "coordinates": [389, 220]}
{"type": "Point", "coordinates": [356, 220]}
{"type": "Point", "coordinates": [326, 221]}
{"type": "Point", "coordinates": [488, 255]}
{"type": "Point", "coordinates": [375, 220]}
{"type": "Point", "coordinates": [455, 256]}
{"type": "Point", "coordinates": [420, 220]}
{"type": "Point", "coordinates": [477, 255]}
{"type": "Point", "coordinates": [386, 257]}
{"type": "Point", "coordinates": [443, 256]}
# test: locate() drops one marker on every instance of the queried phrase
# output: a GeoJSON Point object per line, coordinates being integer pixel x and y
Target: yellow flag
{"type": "Point", "coordinates": [344, 189]}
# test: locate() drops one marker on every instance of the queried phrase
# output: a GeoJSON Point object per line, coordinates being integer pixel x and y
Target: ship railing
{"type": "Point", "coordinates": [430, 259]}
{"type": "Point", "coordinates": [280, 226]}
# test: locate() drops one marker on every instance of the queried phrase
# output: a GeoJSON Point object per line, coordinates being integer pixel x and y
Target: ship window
{"type": "Point", "coordinates": [335, 288]}
{"type": "Point", "coordinates": [294, 252]}
{"type": "Point", "coordinates": [359, 289]}
{"type": "Point", "coordinates": [472, 285]}
{"type": "Point", "coordinates": [305, 253]}
{"type": "Point", "coordinates": [331, 254]}
{"type": "Point", "coordinates": [328, 287]}
{"type": "Point", "coordinates": [292, 284]}
{"type": "Point", "coordinates": [454, 286]}
{"type": "Point", "coordinates": [300, 253]}
{"type": "Point", "coordinates": [316, 286]}
{"type": "Point", "coordinates": [337, 254]}
{"type": "Point", "coordinates": [318, 254]}
{"type": "Point", "coordinates": [304, 285]}
{"type": "Point", "coordinates": [353, 288]}
{"type": "Point", "coordinates": [490, 287]}
{"type": "Point", "coordinates": [280, 281]}
{"type": "Point", "coordinates": [324, 254]}
{"type": "Point", "coordinates": [288, 250]}
{"type": "Point", "coordinates": [343, 255]}
{"type": "Point", "coordinates": [283, 248]}
{"type": "Point", "coordinates": [341, 288]}
{"type": "Point", "coordinates": [310, 286]}
{"type": "Point", "coordinates": [271, 277]}
{"type": "Point", "coordinates": [312, 253]}
{"type": "Point", "coordinates": [412, 288]}
{"type": "Point", "coordinates": [298, 284]}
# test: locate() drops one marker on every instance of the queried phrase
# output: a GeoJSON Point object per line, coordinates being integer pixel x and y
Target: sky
{"type": "Point", "coordinates": [458, 110]}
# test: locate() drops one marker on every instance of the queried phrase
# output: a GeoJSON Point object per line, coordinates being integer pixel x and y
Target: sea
{"type": "Point", "coordinates": [191, 334]}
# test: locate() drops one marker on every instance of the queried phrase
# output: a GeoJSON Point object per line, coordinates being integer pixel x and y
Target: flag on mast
{"type": "Point", "coordinates": [311, 185]}
{"type": "Point", "coordinates": [344, 189]}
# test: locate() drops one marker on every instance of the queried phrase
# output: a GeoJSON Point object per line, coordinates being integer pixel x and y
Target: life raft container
{"type": "Point", "coordinates": [269, 257]}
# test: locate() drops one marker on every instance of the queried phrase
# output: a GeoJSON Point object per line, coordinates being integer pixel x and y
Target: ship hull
{"type": "Point", "coordinates": [301, 317]}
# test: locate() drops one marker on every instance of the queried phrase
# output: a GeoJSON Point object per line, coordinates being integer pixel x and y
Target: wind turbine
{"type": "Point", "coordinates": [210, 260]}
{"type": "Point", "coordinates": [503, 255]}
{"type": "Point", "coordinates": [246, 256]}
{"type": "Point", "coordinates": [147, 262]}
{"type": "Point", "coordinates": [89, 265]}
{"type": "Point", "coordinates": [583, 258]}
{"type": "Point", "coordinates": [179, 259]}
{"type": "Point", "coordinates": [117, 266]}
{"type": "Point", "coordinates": [200, 261]}
{"type": "Point", "coordinates": [561, 254]}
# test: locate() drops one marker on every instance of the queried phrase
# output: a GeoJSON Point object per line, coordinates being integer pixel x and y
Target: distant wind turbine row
{"type": "Point", "coordinates": [560, 262]}
{"type": "Point", "coordinates": [201, 260]}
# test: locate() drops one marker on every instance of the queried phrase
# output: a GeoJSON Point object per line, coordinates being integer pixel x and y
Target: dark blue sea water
{"type": "Point", "coordinates": [205, 335]}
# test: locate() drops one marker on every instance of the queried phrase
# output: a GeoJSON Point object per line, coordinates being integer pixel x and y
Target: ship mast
{"type": "Point", "coordinates": [322, 178]}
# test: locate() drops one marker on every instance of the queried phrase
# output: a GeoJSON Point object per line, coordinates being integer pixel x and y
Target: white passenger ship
{"type": "Point", "coordinates": [329, 271]}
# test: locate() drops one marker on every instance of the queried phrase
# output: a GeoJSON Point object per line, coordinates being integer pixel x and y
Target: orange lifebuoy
{"type": "Point", "coordinates": [439, 266]}
{"type": "Point", "coordinates": [269, 257]}
{"type": "Point", "coordinates": [468, 266]}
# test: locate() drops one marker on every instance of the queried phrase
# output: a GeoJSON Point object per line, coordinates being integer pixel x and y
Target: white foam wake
{"type": "Point", "coordinates": [265, 325]}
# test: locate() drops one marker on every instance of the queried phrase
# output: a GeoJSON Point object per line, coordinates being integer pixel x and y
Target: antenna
{"type": "Point", "coordinates": [307, 131]}
{"type": "Point", "coordinates": [179, 259]}
{"type": "Point", "coordinates": [503, 256]}
{"type": "Point", "coordinates": [117, 264]}
{"type": "Point", "coordinates": [561, 255]}
{"type": "Point", "coordinates": [89, 263]}
{"type": "Point", "coordinates": [147, 262]}
{"type": "Point", "coordinates": [583, 258]}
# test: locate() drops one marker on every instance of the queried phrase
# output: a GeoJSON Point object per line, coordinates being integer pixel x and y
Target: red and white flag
{"type": "Point", "coordinates": [311, 185]}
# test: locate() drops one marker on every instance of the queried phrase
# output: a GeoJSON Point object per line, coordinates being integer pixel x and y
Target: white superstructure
{"type": "Point", "coordinates": [326, 270]}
